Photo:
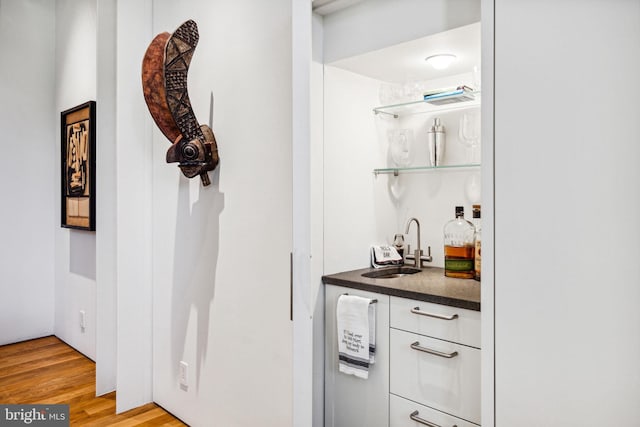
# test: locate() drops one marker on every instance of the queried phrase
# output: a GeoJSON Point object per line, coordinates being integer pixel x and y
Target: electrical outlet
{"type": "Point", "coordinates": [83, 320]}
{"type": "Point", "coordinates": [184, 367]}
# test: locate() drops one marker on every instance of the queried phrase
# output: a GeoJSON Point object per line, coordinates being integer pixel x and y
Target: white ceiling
{"type": "Point", "coordinates": [405, 61]}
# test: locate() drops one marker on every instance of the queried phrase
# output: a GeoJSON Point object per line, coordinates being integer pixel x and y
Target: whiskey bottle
{"type": "Point", "coordinates": [459, 247]}
{"type": "Point", "coordinates": [477, 238]}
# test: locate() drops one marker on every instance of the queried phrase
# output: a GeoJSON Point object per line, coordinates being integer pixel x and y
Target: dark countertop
{"type": "Point", "coordinates": [429, 285]}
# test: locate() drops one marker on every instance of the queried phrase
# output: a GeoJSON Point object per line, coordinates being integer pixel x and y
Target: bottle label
{"type": "Point", "coordinates": [478, 259]}
{"type": "Point", "coordinates": [458, 264]}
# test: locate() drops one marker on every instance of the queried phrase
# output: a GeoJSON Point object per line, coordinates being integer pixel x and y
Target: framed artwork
{"type": "Point", "coordinates": [78, 142]}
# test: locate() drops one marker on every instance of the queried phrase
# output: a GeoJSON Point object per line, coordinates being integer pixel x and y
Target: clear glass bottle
{"type": "Point", "coordinates": [459, 247]}
{"type": "Point", "coordinates": [398, 243]}
{"type": "Point", "coordinates": [477, 259]}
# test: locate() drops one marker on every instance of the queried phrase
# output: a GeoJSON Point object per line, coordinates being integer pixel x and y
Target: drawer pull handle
{"type": "Point", "coordinates": [416, 346]}
{"type": "Point", "coordinates": [414, 416]}
{"type": "Point", "coordinates": [416, 310]}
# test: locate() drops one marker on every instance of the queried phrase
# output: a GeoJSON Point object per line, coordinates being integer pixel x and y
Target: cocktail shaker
{"type": "Point", "coordinates": [436, 142]}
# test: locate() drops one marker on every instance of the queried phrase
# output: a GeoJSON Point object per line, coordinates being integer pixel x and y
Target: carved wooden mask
{"type": "Point", "coordinates": [164, 82]}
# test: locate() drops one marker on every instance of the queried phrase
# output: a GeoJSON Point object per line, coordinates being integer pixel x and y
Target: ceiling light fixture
{"type": "Point", "coordinates": [441, 60]}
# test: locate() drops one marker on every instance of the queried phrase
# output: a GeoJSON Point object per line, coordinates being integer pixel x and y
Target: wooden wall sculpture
{"type": "Point", "coordinates": [164, 82]}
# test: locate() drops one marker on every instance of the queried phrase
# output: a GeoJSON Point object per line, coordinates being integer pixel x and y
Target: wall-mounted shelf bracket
{"type": "Point", "coordinates": [395, 116]}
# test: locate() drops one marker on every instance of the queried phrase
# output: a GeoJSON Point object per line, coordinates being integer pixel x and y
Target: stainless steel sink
{"type": "Point", "coordinates": [391, 272]}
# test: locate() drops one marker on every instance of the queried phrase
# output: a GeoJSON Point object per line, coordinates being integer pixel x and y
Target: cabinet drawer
{"type": "Point", "coordinates": [436, 373]}
{"type": "Point", "coordinates": [434, 320]}
{"type": "Point", "coordinates": [402, 410]}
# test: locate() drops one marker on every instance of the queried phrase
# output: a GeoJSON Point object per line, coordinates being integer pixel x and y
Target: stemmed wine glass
{"type": "Point", "coordinates": [469, 133]}
{"type": "Point", "coordinates": [400, 146]}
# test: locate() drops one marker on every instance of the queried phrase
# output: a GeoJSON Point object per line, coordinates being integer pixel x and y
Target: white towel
{"type": "Point", "coordinates": [384, 256]}
{"type": "Point", "coordinates": [356, 335]}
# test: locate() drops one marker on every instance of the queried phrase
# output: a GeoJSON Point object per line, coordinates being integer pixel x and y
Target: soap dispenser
{"type": "Point", "coordinates": [436, 143]}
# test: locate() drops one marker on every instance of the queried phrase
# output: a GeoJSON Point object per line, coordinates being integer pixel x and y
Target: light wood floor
{"type": "Point", "coordinates": [48, 371]}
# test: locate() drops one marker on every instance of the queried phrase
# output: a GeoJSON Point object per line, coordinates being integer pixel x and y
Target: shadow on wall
{"type": "Point", "coordinates": [195, 264]}
{"type": "Point", "coordinates": [82, 253]}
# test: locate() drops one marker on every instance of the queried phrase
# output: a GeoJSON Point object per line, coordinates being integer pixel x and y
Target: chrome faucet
{"type": "Point", "coordinates": [417, 256]}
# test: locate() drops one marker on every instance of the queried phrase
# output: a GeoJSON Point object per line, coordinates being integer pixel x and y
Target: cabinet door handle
{"type": "Point", "coordinates": [416, 346]}
{"type": "Point", "coordinates": [373, 301]}
{"type": "Point", "coordinates": [414, 416]}
{"type": "Point", "coordinates": [416, 310]}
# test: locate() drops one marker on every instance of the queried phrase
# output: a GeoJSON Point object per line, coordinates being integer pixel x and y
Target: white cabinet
{"type": "Point", "coordinates": [567, 325]}
{"type": "Point", "coordinates": [405, 413]}
{"type": "Point", "coordinates": [427, 360]}
{"type": "Point", "coordinates": [435, 358]}
{"type": "Point", "coordinates": [437, 373]}
{"type": "Point", "coordinates": [436, 320]}
{"type": "Point", "coordinates": [351, 401]}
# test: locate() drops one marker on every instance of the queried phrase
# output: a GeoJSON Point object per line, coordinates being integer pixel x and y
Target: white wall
{"type": "Point", "coordinates": [375, 24]}
{"type": "Point", "coordinates": [116, 258]}
{"type": "Point", "coordinates": [317, 219]}
{"type": "Point", "coordinates": [567, 325]}
{"type": "Point", "coordinates": [487, 177]}
{"type": "Point", "coordinates": [30, 174]}
{"type": "Point", "coordinates": [356, 141]}
{"type": "Point", "coordinates": [362, 209]}
{"type": "Point", "coordinates": [429, 196]}
{"type": "Point", "coordinates": [221, 253]}
{"type": "Point", "coordinates": [239, 245]}
{"type": "Point", "coordinates": [75, 256]}
{"type": "Point", "coordinates": [134, 156]}
{"type": "Point", "coordinates": [304, 287]}
{"type": "Point", "coordinates": [106, 222]}
{"type": "Point", "coordinates": [350, 154]}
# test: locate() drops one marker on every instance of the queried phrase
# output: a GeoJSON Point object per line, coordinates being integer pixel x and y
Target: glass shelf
{"type": "Point", "coordinates": [446, 103]}
{"type": "Point", "coordinates": [397, 171]}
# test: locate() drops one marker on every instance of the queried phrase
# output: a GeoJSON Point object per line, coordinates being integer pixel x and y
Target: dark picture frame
{"type": "Point", "coordinates": [78, 167]}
